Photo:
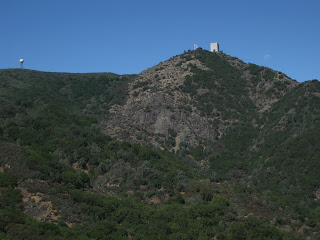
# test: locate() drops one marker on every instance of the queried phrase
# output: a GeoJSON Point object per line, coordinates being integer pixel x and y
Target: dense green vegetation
{"type": "Point", "coordinates": [52, 148]}
{"type": "Point", "coordinates": [226, 95]}
{"type": "Point", "coordinates": [288, 163]}
{"type": "Point", "coordinates": [118, 219]}
{"type": "Point", "coordinates": [277, 154]}
{"type": "Point", "coordinates": [228, 99]}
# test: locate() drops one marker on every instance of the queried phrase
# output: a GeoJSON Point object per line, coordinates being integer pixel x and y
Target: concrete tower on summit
{"type": "Point", "coordinates": [214, 47]}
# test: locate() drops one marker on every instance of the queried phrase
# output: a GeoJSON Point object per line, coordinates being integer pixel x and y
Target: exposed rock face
{"type": "Point", "coordinates": [156, 109]}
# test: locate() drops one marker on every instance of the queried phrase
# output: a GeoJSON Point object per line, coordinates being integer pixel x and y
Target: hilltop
{"type": "Point", "coordinates": [202, 146]}
{"type": "Point", "coordinates": [197, 95]}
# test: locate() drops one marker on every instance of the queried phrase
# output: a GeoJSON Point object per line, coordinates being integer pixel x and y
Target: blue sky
{"type": "Point", "coordinates": [127, 36]}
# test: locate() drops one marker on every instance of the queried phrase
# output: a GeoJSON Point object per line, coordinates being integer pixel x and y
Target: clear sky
{"type": "Point", "coordinates": [128, 36]}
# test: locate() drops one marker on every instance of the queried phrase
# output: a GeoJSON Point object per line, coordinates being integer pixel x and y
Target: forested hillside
{"type": "Point", "coordinates": [202, 146]}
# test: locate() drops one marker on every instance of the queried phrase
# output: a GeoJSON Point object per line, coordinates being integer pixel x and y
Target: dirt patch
{"type": "Point", "coordinates": [113, 185]}
{"type": "Point", "coordinates": [130, 192]}
{"type": "Point", "coordinates": [38, 208]}
{"type": "Point", "coordinates": [178, 141]}
{"type": "Point", "coordinates": [159, 199]}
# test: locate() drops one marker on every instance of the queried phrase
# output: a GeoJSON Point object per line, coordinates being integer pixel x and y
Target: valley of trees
{"type": "Point", "coordinates": [62, 178]}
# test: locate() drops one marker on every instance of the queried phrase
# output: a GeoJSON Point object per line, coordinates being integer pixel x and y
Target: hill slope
{"type": "Point", "coordinates": [210, 147]}
{"type": "Point", "coordinates": [196, 96]}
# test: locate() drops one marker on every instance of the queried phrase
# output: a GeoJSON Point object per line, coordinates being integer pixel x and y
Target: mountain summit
{"type": "Point", "coordinates": [193, 98]}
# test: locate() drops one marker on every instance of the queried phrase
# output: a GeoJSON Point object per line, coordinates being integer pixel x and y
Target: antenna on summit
{"type": "Point", "coordinates": [195, 46]}
{"type": "Point", "coordinates": [21, 62]}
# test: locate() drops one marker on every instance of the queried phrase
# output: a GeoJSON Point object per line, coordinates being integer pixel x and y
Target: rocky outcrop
{"type": "Point", "coordinates": [157, 111]}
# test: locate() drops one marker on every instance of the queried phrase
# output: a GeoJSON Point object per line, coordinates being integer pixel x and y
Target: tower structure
{"type": "Point", "coordinates": [214, 47]}
{"type": "Point", "coordinates": [21, 62]}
